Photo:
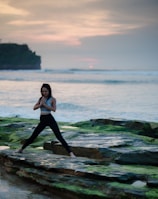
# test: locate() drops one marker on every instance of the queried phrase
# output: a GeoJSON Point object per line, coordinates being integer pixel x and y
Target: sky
{"type": "Point", "coordinates": [85, 34]}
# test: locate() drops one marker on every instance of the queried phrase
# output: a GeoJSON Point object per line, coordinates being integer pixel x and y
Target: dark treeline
{"type": "Point", "coordinates": [16, 56]}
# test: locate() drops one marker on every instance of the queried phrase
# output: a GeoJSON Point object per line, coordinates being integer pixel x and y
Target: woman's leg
{"type": "Point", "coordinates": [54, 126]}
{"type": "Point", "coordinates": [34, 135]}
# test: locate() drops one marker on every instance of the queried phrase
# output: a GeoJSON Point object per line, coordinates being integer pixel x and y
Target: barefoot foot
{"type": "Point", "coordinates": [72, 155]}
{"type": "Point", "coordinates": [19, 151]}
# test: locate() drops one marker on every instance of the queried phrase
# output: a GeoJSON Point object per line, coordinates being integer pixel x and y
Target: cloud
{"type": "Point", "coordinates": [69, 21]}
{"type": "Point", "coordinates": [6, 9]}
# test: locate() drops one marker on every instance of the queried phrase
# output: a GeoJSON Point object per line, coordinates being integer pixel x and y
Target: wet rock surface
{"type": "Point", "coordinates": [119, 148]}
{"type": "Point", "coordinates": [108, 165]}
{"type": "Point", "coordinates": [79, 177]}
{"type": "Point", "coordinates": [13, 187]}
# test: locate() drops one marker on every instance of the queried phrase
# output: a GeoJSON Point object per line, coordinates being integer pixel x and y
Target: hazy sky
{"type": "Point", "coordinates": [109, 34]}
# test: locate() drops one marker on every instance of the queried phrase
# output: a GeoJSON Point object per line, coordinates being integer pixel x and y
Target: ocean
{"type": "Point", "coordinates": [82, 94]}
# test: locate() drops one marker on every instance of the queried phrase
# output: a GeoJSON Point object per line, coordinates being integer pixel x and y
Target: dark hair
{"type": "Point", "coordinates": [47, 86]}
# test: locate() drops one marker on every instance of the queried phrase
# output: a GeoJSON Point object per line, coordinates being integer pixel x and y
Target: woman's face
{"type": "Point", "coordinates": [45, 92]}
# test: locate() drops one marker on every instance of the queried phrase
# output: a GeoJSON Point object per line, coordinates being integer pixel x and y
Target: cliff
{"type": "Point", "coordinates": [16, 56]}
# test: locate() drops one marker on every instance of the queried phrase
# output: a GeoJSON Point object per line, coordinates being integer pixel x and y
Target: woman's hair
{"type": "Point", "coordinates": [47, 86]}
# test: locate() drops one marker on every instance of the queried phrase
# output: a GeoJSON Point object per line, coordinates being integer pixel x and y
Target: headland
{"type": "Point", "coordinates": [17, 57]}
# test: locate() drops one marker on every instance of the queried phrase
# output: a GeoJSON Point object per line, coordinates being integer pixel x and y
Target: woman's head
{"type": "Point", "coordinates": [46, 90]}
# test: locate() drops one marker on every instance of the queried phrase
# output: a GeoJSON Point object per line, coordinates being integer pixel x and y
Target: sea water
{"type": "Point", "coordinates": [82, 94]}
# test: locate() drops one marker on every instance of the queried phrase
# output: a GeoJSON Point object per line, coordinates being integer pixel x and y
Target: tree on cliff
{"type": "Point", "coordinates": [16, 56]}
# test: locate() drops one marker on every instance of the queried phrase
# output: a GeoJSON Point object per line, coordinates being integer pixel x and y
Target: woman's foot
{"type": "Point", "coordinates": [19, 151]}
{"type": "Point", "coordinates": [72, 155]}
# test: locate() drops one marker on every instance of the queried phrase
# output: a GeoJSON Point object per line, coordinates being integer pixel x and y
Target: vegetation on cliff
{"type": "Point", "coordinates": [15, 56]}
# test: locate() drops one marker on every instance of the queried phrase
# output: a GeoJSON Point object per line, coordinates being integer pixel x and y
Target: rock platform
{"type": "Point", "coordinates": [79, 177]}
{"type": "Point", "coordinates": [108, 166]}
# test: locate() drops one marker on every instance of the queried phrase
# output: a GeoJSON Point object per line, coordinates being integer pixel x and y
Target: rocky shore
{"type": "Point", "coordinates": [116, 159]}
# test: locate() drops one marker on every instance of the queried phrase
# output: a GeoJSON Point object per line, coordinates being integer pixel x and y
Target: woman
{"type": "Point", "coordinates": [46, 103]}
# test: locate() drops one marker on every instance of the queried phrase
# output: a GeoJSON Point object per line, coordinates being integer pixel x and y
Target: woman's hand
{"type": "Point", "coordinates": [42, 101]}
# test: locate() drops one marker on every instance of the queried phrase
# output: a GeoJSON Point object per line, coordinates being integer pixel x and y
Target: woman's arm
{"type": "Point", "coordinates": [37, 105]}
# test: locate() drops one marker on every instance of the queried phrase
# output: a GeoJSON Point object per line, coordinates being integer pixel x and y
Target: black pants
{"type": "Point", "coordinates": [47, 120]}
